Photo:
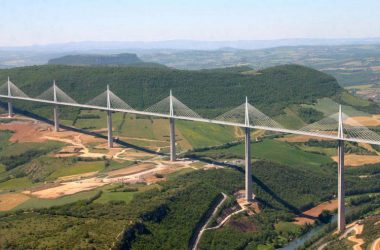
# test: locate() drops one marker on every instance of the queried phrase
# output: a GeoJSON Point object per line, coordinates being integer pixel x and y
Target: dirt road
{"type": "Point", "coordinates": [199, 236]}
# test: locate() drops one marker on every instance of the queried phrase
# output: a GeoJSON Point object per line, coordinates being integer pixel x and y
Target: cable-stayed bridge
{"type": "Point", "coordinates": [334, 127]}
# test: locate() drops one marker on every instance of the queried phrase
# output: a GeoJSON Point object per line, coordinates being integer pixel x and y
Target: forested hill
{"type": "Point", "coordinates": [209, 92]}
{"type": "Point", "coordinates": [116, 60]}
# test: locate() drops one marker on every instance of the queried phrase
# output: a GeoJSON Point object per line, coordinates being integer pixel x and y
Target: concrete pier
{"type": "Point", "coordinates": [56, 118]}
{"type": "Point", "coordinates": [248, 166]}
{"type": "Point", "coordinates": [10, 109]}
{"type": "Point", "coordinates": [341, 207]}
{"type": "Point", "coordinates": [172, 140]}
{"type": "Point", "coordinates": [109, 126]}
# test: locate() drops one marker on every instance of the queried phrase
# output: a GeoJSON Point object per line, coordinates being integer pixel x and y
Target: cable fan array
{"type": "Point", "coordinates": [54, 93]}
{"type": "Point", "coordinates": [243, 115]}
{"type": "Point", "coordinates": [12, 88]}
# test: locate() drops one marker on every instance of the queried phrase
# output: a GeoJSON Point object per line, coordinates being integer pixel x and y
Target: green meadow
{"type": "Point", "coordinates": [272, 150]}
{"type": "Point", "coordinates": [79, 167]}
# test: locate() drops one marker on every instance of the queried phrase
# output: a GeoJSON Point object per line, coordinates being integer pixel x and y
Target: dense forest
{"type": "Point", "coordinates": [209, 92]}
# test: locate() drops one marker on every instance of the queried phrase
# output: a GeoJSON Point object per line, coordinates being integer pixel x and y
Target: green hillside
{"type": "Point", "coordinates": [118, 59]}
{"type": "Point", "coordinates": [209, 92]}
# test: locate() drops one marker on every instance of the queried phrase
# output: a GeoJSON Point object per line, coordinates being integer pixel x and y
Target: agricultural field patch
{"type": "Point", "coordinates": [16, 184]}
{"type": "Point", "coordinates": [35, 202]}
{"type": "Point", "coordinates": [11, 200]}
{"type": "Point", "coordinates": [79, 167]}
{"type": "Point", "coordinates": [354, 160]}
{"type": "Point", "coordinates": [273, 150]}
{"type": "Point", "coordinates": [204, 135]}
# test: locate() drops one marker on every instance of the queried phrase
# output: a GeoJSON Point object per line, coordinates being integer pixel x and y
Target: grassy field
{"type": "Point", "coordinates": [322, 150]}
{"type": "Point", "coordinates": [113, 165]}
{"type": "Point", "coordinates": [328, 106]}
{"type": "Point", "coordinates": [204, 135]}
{"type": "Point", "coordinates": [16, 184]}
{"type": "Point", "coordinates": [364, 86]}
{"type": "Point", "coordinates": [115, 196]}
{"type": "Point", "coordinates": [280, 152]}
{"type": "Point", "coordinates": [99, 121]}
{"type": "Point", "coordinates": [44, 203]}
{"type": "Point", "coordinates": [149, 132]}
{"type": "Point", "coordinates": [2, 168]}
{"type": "Point", "coordinates": [178, 173]}
{"type": "Point", "coordinates": [79, 167]}
{"type": "Point", "coordinates": [353, 100]}
{"type": "Point", "coordinates": [290, 119]}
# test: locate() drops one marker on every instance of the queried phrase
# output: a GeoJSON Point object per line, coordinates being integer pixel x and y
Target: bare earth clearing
{"type": "Point", "coordinates": [143, 172]}
{"type": "Point", "coordinates": [376, 245]}
{"type": "Point", "coordinates": [67, 188]}
{"type": "Point", "coordinates": [307, 216]}
{"type": "Point", "coordinates": [358, 160]}
{"type": "Point", "coordinates": [369, 121]}
{"type": "Point", "coordinates": [12, 200]}
{"type": "Point", "coordinates": [29, 130]}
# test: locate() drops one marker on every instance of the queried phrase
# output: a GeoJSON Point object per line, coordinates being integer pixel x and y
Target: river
{"type": "Point", "coordinates": [298, 242]}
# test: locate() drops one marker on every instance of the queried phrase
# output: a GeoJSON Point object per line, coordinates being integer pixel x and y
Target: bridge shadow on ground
{"type": "Point", "coordinates": [256, 181]}
{"type": "Point", "coordinates": [83, 131]}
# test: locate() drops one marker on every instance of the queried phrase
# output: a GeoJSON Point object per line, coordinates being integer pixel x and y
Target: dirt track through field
{"type": "Point", "coordinates": [358, 229]}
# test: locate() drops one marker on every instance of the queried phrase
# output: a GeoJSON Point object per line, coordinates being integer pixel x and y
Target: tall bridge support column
{"type": "Point", "coordinates": [10, 109]}
{"type": "Point", "coordinates": [172, 140]}
{"type": "Point", "coordinates": [56, 118]}
{"type": "Point", "coordinates": [341, 207]}
{"type": "Point", "coordinates": [248, 166]}
{"type": "Point", "coordinates": [109, 125]}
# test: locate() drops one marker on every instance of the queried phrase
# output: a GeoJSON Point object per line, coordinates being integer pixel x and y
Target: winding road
{"type": "Point", "coordinates": [199, 236]}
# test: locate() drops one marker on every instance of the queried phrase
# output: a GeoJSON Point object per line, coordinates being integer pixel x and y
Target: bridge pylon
{"type": "Point", "coordinates": [248, 164]}
{"type": "Point", "coordinates": [10, 107]}
{"type": "Point", "coordinates": [56, 109]}
{"type": "Point", "coordinates": [341, 189]}
{"type": "Point", "coordinates": [109, 119]}
{"type": "Point", "coordinates": [172, 130]}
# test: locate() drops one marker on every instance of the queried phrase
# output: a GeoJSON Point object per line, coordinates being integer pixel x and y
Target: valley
{"type": "Point", "coordinates": [70, 187]}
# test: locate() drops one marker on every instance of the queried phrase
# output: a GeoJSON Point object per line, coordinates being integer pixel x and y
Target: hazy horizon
{"type": "Point", "coordinates": [44, 22]}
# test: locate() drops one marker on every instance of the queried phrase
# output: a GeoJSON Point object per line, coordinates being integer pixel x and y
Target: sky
{"type": "Point", "coordinates": [31, 22]}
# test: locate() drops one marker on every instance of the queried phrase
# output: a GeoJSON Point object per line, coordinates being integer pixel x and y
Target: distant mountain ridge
{"type": "Point", "coordinates": [116, 59]}
{"type": "Point", "coordinates": [192, 44]}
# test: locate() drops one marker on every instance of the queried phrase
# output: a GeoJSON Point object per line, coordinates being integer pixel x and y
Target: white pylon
{"type": "Point", "coordinates": [10, 108]}
{"type": "Point", "coordinates": [109, 119]}
{"type": "Point", "coordinates": [341, 189]}
{"type": "Point", "coordinates": [172, 129]}
{"type": "Point", "coordinates": [248, 165]}
{"type": "Point", "coordinates": [56, 110]}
